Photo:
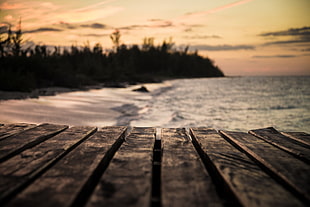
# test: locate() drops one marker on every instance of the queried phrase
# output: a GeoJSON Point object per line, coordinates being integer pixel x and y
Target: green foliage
{"type": "Point", "coordinates": [27, 69]}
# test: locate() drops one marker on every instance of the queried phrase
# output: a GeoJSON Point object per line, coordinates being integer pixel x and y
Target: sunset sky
{"type": "Point", "coordinates": [246, 37]}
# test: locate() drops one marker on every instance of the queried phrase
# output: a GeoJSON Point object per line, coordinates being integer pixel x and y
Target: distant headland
{"type": "Point", "coordinates": [40, 66]}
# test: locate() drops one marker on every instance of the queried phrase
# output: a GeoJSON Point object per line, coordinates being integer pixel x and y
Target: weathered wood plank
{"type": "Point", "coordinates": [70, 181]}
{"type": "Point", "coordinates": [17, 172]}
{"type": "Point", "coordinates": [291, 171]}
{"type": "Point", "coordinates": [11, 129]}
{"type": "Point", "coordinates": [185, 181]}
{"type": "Point", "coordinates": [277, 139]}
{"type": "Point", "coordinates": [19, 142]}
{"type": "Point", "coordinates": [245, 180]}
{"type": "Point", "coordinates": [298, 136]}
{"type": "Point", "coordinates": [127, 181]}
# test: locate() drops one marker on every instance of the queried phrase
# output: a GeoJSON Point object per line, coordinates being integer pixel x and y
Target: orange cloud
{"type": "Point", "coordinates": [8, 18]}
{"type": "Point", "coordinates": [83, 15]}
{"type": "Point", "coordinates": [93, 6]}
{"type": "Point", "coordinates": [227, 6]}
{"type": "Point", "coordinates": [7, 6]}
{"type": "Point", "coordinates": [46, 13]}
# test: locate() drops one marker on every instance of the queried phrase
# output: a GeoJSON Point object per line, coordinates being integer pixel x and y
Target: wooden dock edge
{"type": "Point", "coordinates": [143, 166]}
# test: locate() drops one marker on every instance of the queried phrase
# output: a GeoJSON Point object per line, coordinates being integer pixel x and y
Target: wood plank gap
{"type": "Point", "coordinates": [128, 179]}
{"type": "Point", "coordinates": [272, 136]}
{"type": "Point", "coordinates": [12, 129]}
{"type": "Point", "coordinates": [156, 171]}
{"type": "Point", "coordinates": [223, 189]}
{"type": "Point", "coordinates": [88, 188]}
{"type": "Point", "coordinates": [11, 192]}
{"type": "Point", "coordinates": [247, 181]}
{"type": "Point", "coordinates": [299, 137]}
{"type": "Point", "coordinates": [63, 183]}
{"type": "Point", "coordinates": [20, 142]}
{"type": "Point", "coordinates": [185, 181]}
{"type": "Point", "coordinates": [279, 164]}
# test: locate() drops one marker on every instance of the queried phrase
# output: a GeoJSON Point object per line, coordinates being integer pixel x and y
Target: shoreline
{"type": "Point", "coordinates": [92, 106]}
{"type": "Point", "coordinates": [52, 91]}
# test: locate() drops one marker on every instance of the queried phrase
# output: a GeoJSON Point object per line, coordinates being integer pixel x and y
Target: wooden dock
{"type": "Point", "coordinates": [56, 165]}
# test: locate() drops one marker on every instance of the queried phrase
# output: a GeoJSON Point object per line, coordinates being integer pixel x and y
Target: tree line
{"type": "Point", "coordinates": [39, 66]}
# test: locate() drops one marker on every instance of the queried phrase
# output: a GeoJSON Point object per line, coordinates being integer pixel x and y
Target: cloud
{"type": "Point", "coordinates": [93, 6]}
{"type": "Point", "coordinates": [274, 56]}
{"type": "Point", "coordinates": [96, 35]}
{"type": "Point", "coordinates": [155, 20]}
{"type": "Point", "coordinates": [132, 27]}
{"type": "Point", "coordinates": [227, 6]}
{"type": "Point", "coordinates": [304, 31]}
{"type": "Point", "coordinates": [297, 35]}
{"type": "Point", "coordinates": [163, 24]}
{"type": "Point", "coordinates": [8, 6]}
{"type": "Point", "coordinates": [8, 18]}
{"type": "Point", "coordinates": [67, 25]}
{"type": "Point", "coordinates": [198, 16]}
{"type": "Point", "coordinates": [222, 47]}
{"type": "Point", "coordinates": [94, 26]}
{"type": "Point", "coordinates": [288, 42]}
{"type": "Point", "coordinates": [160, 23]}
{"type": "Point", "coordinates": [203, 37]}
{"type": "Point", "coordinates": [49, 12]}
{"type": "Point", "coordinates": [154, 23]}
{"type": "Point", "coordinates": [87, 14]}
{"type": "Point", "coordinates": [43, 29]}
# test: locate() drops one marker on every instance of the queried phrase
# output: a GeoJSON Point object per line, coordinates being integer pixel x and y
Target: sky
{"type": "Point", "coordinates": [242, 37]}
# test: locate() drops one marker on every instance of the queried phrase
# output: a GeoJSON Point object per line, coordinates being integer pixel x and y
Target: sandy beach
{"type": "Point", "coordinates": [95, 107]}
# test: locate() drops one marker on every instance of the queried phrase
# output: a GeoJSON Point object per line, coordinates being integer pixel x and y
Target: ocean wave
{"type": "Point", "coordinates": [230, 104]}
{"type": "Point", "coordinates": [177, 116]}
{"type": "Point", "coordinates": [161, 90]}
{"type": "Point", "coordinates": [129, 113]}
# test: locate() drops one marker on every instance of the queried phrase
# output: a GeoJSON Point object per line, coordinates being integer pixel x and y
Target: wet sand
{"type": "Point", "coordinates": [96, 107]}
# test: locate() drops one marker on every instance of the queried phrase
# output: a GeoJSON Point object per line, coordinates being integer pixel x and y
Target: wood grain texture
{"type": "Point", "coordinates": [247, 182]}
{"type": "Point", "coordinates": [11, 129]}
{"type": "Point", "coordinates": [127, 181]}
{"type": "Point", "coordinates": [17, 172]}
{"type": "Point", "coordinates": [282, 164]}
{"type": "Point", "coordinates": [277, 139]}
{"type": "Point", "coordinates": [19, 142]}
{"type": "Point", "coordinates": [298, 136]}
{"type": "Point", "coordinates": [185, 181]}
{"type": "Point", "coordinates": [72, 177]}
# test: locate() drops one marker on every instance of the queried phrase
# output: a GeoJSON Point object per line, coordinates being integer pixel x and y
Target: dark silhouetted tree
{"type": "Point", "coordinates": [17, 40]}
{"type": "Point", "coordinates": [115, 37]}
{"type": "Point", "coordinates": [148, 43]}
{"type": "Point", "coordinates": [78, 66]}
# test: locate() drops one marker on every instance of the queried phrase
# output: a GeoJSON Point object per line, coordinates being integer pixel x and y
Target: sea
{"type": "Point", "coordinates": [229, 103]}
